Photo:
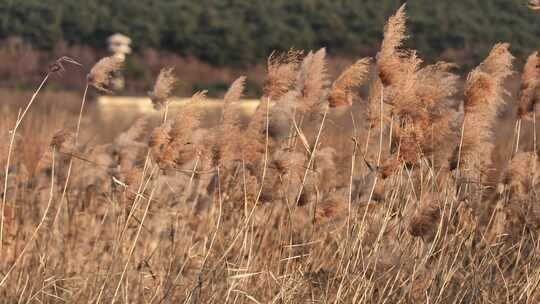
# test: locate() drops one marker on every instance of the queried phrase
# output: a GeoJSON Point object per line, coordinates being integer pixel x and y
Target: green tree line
{"type": "Point", "coordinates": [241, 32]}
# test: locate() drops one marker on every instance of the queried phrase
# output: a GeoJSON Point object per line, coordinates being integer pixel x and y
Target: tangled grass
{"type": "Point", "coordinates": [409, 194]}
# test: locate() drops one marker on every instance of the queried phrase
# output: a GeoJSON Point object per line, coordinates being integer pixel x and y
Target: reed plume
{"type": "Point", "coordinates": [173, 143]}
{"type": "Point", "coordinates": [484, 92]}
{"type": "Point", "coordinates": [214, 198]}
{"type": "Point", "coordinates": [416, 100]}
{"type": "Point", "coordinates": [425, 113]}
{"type": "Point", "coordinates": [390, 56]}
{"type": "Point", "coordinates": [530, 79]}
{"type": "Point", "coordinates": [100, 75]}
{"type": "Point", "coordinates": [161, 94]}
{"type": "Point", "coordinates": [521, 175]}
{"type": "Point", "coordinates": [160, 138]}
{"type": "Point", "coordinates": [253, 141]}
{"type": "Point", "coordinates": [127, 146]}
{"type": "Point", "coordinates": [226, 148]}
{"type": "Point", "coordinates": [342, 93]}
{"type": "Point", "coordinates": [282, 73]}
{"type": "Point", "coordinates": [312, 81]}
{"type": "Point", "coordinates": [426, 218]}
{"type": "Point", "coordinates": [62, 140]}
{"type": "Point", "coordinates": [235, 91]}
{"type": "Point", "coordinates": [233, 95]}
{"type": "Point", "coordinates": [132, 135]}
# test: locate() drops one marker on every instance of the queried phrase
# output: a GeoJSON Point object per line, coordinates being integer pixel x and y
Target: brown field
{"type": "Point", "coordinates": [397, 182]}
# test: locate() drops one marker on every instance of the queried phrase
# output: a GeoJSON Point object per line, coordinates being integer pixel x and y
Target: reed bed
{"type": "Point", "coordinates": [398, 182]}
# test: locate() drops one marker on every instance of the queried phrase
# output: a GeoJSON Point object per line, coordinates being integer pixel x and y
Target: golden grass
{"type": "Point", "coordinates": [315, 194]}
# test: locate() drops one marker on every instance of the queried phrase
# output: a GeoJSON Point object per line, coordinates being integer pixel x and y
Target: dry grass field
{"type": "Point", "coordinates": [423, 189]}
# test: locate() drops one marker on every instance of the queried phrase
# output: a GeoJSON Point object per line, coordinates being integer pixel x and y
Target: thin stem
{"type": "Point", "coordinates": [353, 163]}
{"type": "Point", "coordinates": [19, 121]}
{"type": "Point", "coordinates": [132, 249]}
{"type": "Point", "coordinates": [381, 130]}
{"type": "Point", "coordinates": [81, 113]}
{"type": "Point", "coordinates": [267, 141]}
{"type": "Point", "coordinates": [460, 147]}
{"type": "Point", "coordinates": [70, 166]}
{"type": "Point", "coordinates": [34, 234]}
{"type": "Point", "coordinates": [165, 112]}
{"type": "Point", "coordinates": [312, 157]}
{"type": "Point", "coordinates": [10, 150]}
{"type": "Point", "coordinates": [534, 128]}
{"type": "Point", "coordinates": [518, 135]}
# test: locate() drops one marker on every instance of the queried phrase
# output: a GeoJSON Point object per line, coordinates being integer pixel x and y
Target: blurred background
{"type": "Point", "coordinates": [211, 42]}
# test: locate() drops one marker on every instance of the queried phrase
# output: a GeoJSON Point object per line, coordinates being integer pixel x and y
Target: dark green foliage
{"type": "Point", "coordinates": [240, 32]}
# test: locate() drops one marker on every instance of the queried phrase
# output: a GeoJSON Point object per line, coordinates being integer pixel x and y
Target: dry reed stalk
{"type": "Point", "coordinates": [374, 108]}
{"type": "Point", "coordinates": [99, 77]}
{"type": "Point", "coordinates": [266, 153]}
{"type": "Point", "coordinates": [13, 132]}
{"type": "Point", "coordinates": [135, 176]}
{"type": "Point", "coordinates": [56, 67]}
{"type": "Point", "coordinates": [38, 227]}
{"type": "Point", "coordinates": [132, 248]}
{"type": "Point", "coordinates": [311, 157]}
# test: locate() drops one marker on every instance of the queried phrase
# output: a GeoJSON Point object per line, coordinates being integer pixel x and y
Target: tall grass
{"type": "Point", "coordinates": [325, 194]}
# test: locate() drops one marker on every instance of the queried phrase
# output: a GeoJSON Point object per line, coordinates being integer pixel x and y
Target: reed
{"type": "Point", "coordinates": [388, 184]}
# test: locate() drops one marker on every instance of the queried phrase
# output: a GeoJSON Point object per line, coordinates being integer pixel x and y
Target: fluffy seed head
{"type": "Point", "coordinates": [341, 93]}
{"type": "Point", "coordinates": [282, 71]}
{"type": "Point", "coordinates": [230, 117]}
{"type": "Point", "coordinates": [484, 92]}
{"type": "Point", "coordinates": [100, 74]}
{"type": "Point", "coordinates": [485, 84]}
{"type": "Point", "coordinates": [499, 62]}
{"type": "Point", "coordinates": [520, 174]}
{"type": "Point", "coordinates": [133, 134]}
{"type": "Point", "coordinates": [159, 137]}
{"type": "Point", "coordinates": [426, 218]}
{"type": "Point", "coordinates": [61, 139]}
{"type": "Point", "coordinates": [390, 56]}
{"type": "Point", "coordinates": [235, 90]}
{"type": "Point", "coordinates": [163, 87]}
{"type": "Point", "coordinates": [530, 79]}
{"type": "Point", "coordinates": [312, 80]}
